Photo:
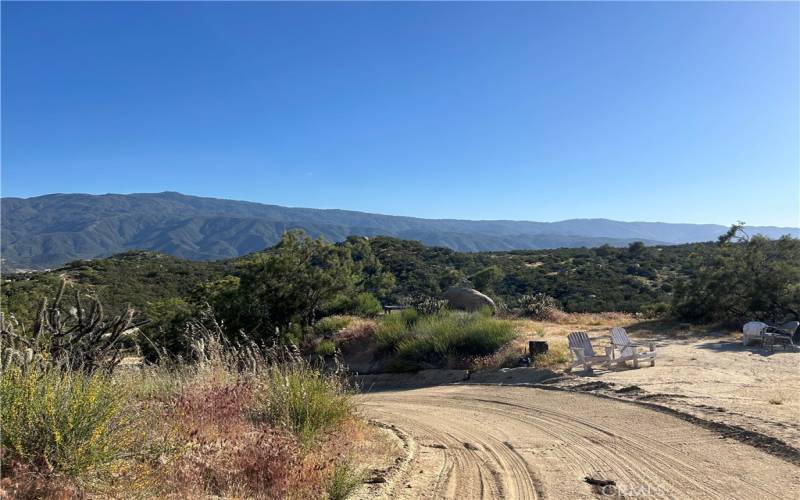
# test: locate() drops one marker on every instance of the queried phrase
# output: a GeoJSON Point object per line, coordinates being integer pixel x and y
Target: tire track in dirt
{"type": "Point", "coordinates": [513, 442]}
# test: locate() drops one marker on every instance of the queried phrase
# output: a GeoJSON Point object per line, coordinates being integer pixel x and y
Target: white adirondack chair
{"type": "Point", "coordinates": [581, 348]}
{"type": "Point", "coordinates": [630, 351]}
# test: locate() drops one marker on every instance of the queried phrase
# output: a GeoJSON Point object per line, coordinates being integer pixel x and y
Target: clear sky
{"type": "Point", "coordinates": [677, 112]}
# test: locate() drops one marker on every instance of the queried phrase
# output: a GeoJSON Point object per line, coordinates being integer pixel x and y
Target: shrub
{"type": "Point", "coordinates": [367, 305]}
{"type": "Point", "coordinates": [225, 455]}
{"type": "Point", "coordinates": [424, 304]}
{"type": "Point", "coordinates": [326, 348]}
{"type": "Point", "coordinates": [394, 327]}
{"type": "Point", "coordinates": [507, 356]}
{"type": "Point", "coordinates": [363, 304]}
{"type": "Point", "coordinates": [359, 329]}
{"type": "Point", "coordinates": [344, 480]}
{"type": "Point", "coordinates": [331, 324]}
{"type": "Point", "coordinates": [65, 422]}
{"type": "Point", "coordinates": [71, 335]}
{"type": "Point", "coordinates": [433, 340]}
{"type": "Point", "coordinates": [740, 279]}
{"type": "Point", "coordinates": [539, 306]}
{"type": "Point", "coordinates": [306, 401]}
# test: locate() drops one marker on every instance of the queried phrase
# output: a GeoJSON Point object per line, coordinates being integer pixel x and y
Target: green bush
{"type": "Point", "coordinates": [304, 400]}
{"type": "Point", "coordinates": [325, 348]}
{"type": "Point", "coordinates": [367, 305]}
{"type": "Point", "coordinates": [331, 325]}
{"type": "Point", "coordinates": [345, 479]}
{"type": "Point", "coordinates": [741, 278]}
{"type": "Point", "coordinates": [394, 327]}
{"type": "Point", "coordinates": [362, 304]}
{"type": "Point", "coordinates": [433, 340]}
{"type": "Point", "coordinates": [64, 422]}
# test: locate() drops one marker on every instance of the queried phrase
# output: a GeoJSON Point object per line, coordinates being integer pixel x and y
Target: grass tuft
{"type": "Point", "coordinates": [558, 353]}
{"type": "Point", "coordinates": [295, 396]}
{"type": "Point", "coordinates": [442, 339]}
{"type": "Point", "coordinates": [68, 423]}
{"type": "Point", "coordinates": [344, 480]}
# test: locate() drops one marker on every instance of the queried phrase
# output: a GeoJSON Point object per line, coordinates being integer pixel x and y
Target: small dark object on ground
{"type": "Point", "coordinates": [600, 482]}
{"type": "Point", "coordinates": [537, 347]}
{"type": "Point", "coordinates": [593, 386]}
{"type": "Point", "coordinates": [630, 388]}
{"type": "Point", "coordinates": [524, 361]}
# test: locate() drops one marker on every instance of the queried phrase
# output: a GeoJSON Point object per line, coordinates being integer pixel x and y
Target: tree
{"type": "Point", "coordinates": [742, 278]}
{"type": "Point", "coordinates": [486, 278]}
{"type": "Point", "coordinates": [372, 277]}
{"type": "Point", "coordinates": [290, 282]}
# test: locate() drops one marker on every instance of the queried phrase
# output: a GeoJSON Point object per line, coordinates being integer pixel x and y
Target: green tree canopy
{"type": "Point", "coordinates": [742, 278]}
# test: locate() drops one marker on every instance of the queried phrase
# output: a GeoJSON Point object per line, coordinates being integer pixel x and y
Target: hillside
{"type": "Point", "coordinates": [579, 278]}
{"type": "Point", "coordinates": [48, 231]}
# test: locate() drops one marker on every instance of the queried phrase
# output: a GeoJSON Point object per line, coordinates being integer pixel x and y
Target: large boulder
{"type": "Point", "coordinates": [468, 299]}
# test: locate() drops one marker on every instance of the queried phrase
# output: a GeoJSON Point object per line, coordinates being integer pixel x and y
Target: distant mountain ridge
{"type": "Point", "coordinates": [47, 231]}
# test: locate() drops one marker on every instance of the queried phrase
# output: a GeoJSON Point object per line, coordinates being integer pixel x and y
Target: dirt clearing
{"type": "Point", "coordinates": [476, 441]}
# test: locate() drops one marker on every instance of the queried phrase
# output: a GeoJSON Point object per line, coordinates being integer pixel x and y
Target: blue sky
{"type": "Point", "coordinates": [540, 111]}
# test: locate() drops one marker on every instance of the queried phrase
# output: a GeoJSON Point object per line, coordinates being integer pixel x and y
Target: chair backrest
{"type": "Point", "coordinates": [620, 340]}
{"type": "Point", "coordinates": [790, 327]}
{"type": "Point", "coordinates": [580, 340]}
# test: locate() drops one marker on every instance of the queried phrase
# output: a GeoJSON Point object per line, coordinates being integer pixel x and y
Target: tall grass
{"type": "Point", "coordinates": [557, 354]}
{"type": "Point", "coordinates": [308, 402]}
{"type": "Point", "coordinates": [393, 328]}
{"type": "Point", "coordinates": [344, 480]}
{"type": "Point", "coordinates": [69, 423]}
{"type": "Point", "coordinates": [237, 421]}
{"type": "Point", "coordinates": [440, 339]}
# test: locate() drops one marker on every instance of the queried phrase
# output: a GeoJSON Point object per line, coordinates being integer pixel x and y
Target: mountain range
{"type": "Point", "coordinates": [48, 231]}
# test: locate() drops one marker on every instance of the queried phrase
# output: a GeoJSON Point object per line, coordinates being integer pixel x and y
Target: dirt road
{"type": "Point", "coordinates": [469, 441]}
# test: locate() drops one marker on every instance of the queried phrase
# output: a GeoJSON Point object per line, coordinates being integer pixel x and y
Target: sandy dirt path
{"type": "Point", "coordinates": [514, 442]}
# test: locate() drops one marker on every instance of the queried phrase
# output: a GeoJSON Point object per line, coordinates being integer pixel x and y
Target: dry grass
{"type": "Point", "coordinates": [557, 355]}
{"type": "Point", "coordinates": [193, 431]}
{"type": "Point", "coordinates": [359, 329]}
{"type": "Point", "coordinates": [506, 357]}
